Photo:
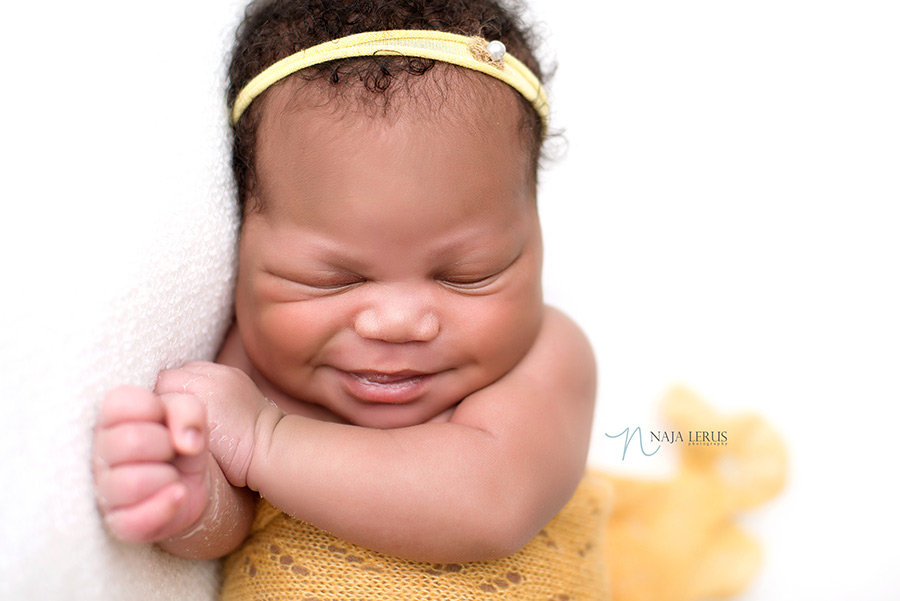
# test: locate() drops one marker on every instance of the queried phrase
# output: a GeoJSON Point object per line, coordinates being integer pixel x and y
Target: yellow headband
{"type": "Point", "coordinates": [470, 52]}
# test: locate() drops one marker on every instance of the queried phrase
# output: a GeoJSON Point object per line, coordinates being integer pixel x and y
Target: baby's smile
{"type": "Point", "coordinates": [379, 387]}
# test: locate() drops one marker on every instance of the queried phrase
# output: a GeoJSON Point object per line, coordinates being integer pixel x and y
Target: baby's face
{"type": "Point", "coordinates": [395, 265]}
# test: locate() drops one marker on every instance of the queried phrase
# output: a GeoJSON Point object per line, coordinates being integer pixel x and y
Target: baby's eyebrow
{"type": "Point", "coordinates": [343, 263]}
{"type": "Point", "coordinates": [469, 248]}
{"type": "Point", "coordinates": [338, 257]}
{"type": "Point", "coordinates": [471, 242]}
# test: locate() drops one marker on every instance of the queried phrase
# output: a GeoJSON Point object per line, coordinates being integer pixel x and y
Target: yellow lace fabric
{"type": "Point", "coordinates": [285, 559]}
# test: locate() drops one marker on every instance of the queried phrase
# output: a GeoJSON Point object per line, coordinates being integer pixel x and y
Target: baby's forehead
{"type": "Point", "coordinates": [445, 95]}
{"type": "Point", "coordinates": [454, 110]}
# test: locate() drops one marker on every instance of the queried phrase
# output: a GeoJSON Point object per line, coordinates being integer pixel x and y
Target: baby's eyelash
{"type": "Point", "coordinates": [469, 283]}
{"type": "Point", "coordinates": [476, 281]}
{"type": "Point", "coordinates": [336, 283]}
{"type": "Point", "coordinates": [327, 281]}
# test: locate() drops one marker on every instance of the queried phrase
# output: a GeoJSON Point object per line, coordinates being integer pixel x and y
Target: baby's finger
{"type": "Point", "coordinates": [130, 403]}
{"type": "Point", "coordinates": [182, 379]}
{"type": "Point", "coordinates": [186, 418]}
{"type": "Point", "coordinates": [131, 442]}
{"type": "Point", "coordinates": [150, 520]}
{"type": "Point", "coordinates": [124, 486]}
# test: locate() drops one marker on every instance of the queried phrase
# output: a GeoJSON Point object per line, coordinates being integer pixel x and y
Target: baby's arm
{"type": "Point", "coordinates": [479, 486]}
{"type": "Point", "coordinates": [156, 480]}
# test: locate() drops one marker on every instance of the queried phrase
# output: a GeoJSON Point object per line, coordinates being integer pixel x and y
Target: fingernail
{"type": "Point", "coordinates": [179, 494]}
{"type": "Point", "coordinates": [192, 440]}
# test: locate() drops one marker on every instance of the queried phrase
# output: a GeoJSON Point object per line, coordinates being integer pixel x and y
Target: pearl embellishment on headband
{"type": "Point", "coordinates": [497, 50]}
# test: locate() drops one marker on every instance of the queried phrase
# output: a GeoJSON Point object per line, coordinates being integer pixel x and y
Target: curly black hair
{"type": "Point", "coordinates": [274, 29]}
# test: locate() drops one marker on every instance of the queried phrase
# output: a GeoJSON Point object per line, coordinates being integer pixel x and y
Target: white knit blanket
{"type": "Point", "coordinates": [117, 248]}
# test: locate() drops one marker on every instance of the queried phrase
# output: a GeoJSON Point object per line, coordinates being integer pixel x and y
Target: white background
{"type": "Point", "coordinates": [725, 217]}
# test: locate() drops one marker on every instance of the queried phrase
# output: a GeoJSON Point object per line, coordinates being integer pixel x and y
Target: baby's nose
{"type": "Point", "coordinates": [398, 321]}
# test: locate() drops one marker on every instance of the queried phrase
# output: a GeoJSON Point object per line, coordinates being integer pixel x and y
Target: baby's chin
{"type": "Point", "coordinates": [392, 417]}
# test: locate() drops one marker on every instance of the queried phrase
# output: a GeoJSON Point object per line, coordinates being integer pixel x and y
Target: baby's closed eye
{"type": "Point", "coordinates": [476, 277]}
{"type": "Point", "coordinates": [469, 282]}
{"type": "Point", "coordinates": [319, 280]}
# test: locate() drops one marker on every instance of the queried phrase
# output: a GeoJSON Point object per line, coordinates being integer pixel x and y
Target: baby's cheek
{"type": "Point", "coordinates": [270, 334]}
{"type": "Point", "coordinates": [510, 331]}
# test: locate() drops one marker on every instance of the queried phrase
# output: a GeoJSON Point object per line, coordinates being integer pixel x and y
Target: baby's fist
{"type": "Point", "coordinates": [150, 464]}
{"type": "Point", "coordinates": [233, 405]}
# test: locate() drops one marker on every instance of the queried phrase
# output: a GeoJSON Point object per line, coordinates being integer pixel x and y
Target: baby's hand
{"type": "Point", "coordinates": [233, 406]}
{"type": "Point", "coordinates": [150, 464]}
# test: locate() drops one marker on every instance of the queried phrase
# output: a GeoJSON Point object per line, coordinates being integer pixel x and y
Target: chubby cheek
{"type": "Point", "coordinates": [290, 335]}
{"type": "Point", "coordinates": [275, 335]}
{"type": "Point", "coordinates": [246, 311]}
{"type": "Point", "coordinates": [499, 333]}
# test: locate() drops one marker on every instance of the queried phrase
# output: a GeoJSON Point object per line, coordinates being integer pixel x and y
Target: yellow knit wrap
{"type": "Point", "coordinates": [675, 538]}
{"type": "Point", "coordinates": [285, 559]}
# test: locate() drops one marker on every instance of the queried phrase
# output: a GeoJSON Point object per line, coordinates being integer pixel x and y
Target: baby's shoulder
{"type": "Point", "coordinates": [557, 329]}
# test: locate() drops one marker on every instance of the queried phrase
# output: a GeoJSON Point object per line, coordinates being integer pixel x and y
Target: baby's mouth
{"type": "Point", "coordinates": [388, 379]}
{"type": "Point", "coordinates": [386, 387]}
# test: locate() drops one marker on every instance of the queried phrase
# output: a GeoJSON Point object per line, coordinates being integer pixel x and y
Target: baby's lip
{"type": "Point", "coordinates": [383, 377]}
{"type": "Point", "coordinates": [390, 387]}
